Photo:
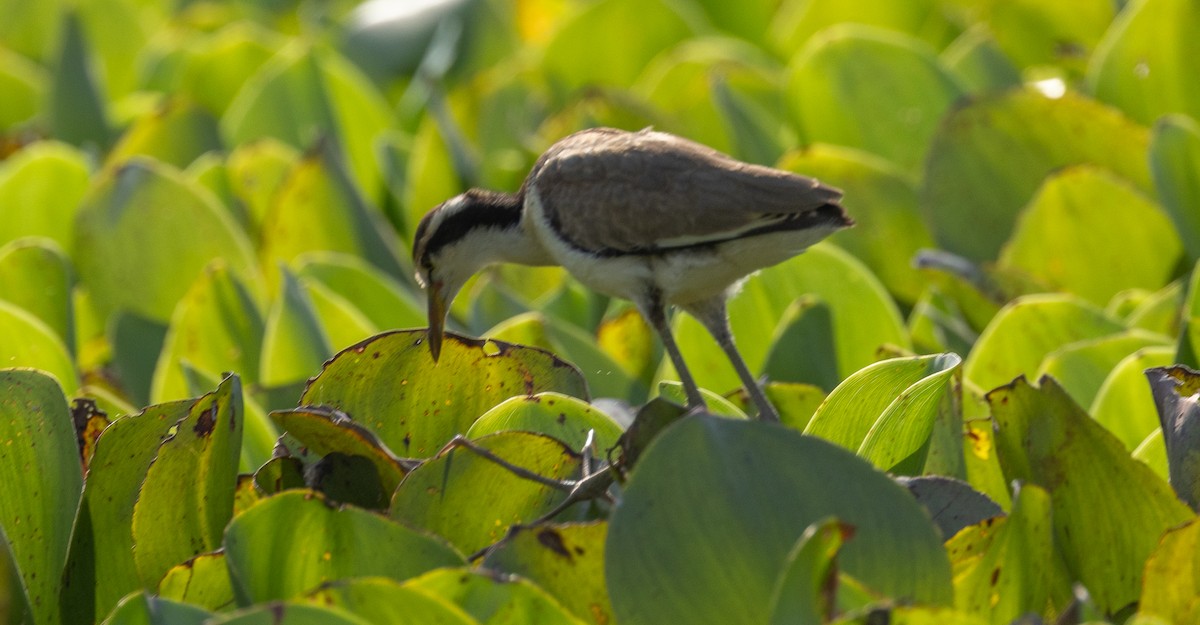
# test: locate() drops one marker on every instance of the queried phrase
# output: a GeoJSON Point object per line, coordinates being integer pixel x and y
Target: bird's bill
{"type": "Point", "coordinates": [437, 320]}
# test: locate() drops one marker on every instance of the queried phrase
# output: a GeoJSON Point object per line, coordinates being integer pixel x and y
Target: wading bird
{"type": "Point", "coordinates": [646, 216]}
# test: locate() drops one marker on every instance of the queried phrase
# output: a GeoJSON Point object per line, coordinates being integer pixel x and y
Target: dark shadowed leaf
{"type": "Point", "coordinates": [324, 431]}
{"type": "Point", "coordinates": [952, 504]}
{"type": "Point", "coordinates": [143, 608]}
{"type": "Point", "coordinates": [1175, 392]}
{"type": "Point", "coordinates": [1175, 164]}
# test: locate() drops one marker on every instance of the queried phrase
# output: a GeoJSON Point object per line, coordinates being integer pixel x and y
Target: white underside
{"type": "Point", "coordinates": [683, 277]}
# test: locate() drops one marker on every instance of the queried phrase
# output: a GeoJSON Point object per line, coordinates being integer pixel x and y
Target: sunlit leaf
{"type": "Point", "coordinates": [28, 342]}
{"type": "Point", "coordinates": [798, 20]}
{"type": "Point", "coordinates": [143, 608]}
{"type": "Point", "coordinates": [36, 276]}
{"type": "Point", "coordinates": [203, 581]}
{"type": "Point", "coordinates": [217, 67]}
{"type": "Point", "coordinates": [295, 343]}
{"type": "Point", "coordinates": [1124, 404]}
{"type": "Point", "coordinates": [1172, 584]}
{"type": "Point", "coordinates": [1060, 34]}
{"type": "Point", "coordinates": [176, 134]}
{"type": "Point", "coordinates": [806, 588]}
{"type": "Point", "coordinates": [556, 415]}
{"type": "Point", "coordinates": [40, 189]}
{"type": "Point", "coordinates": [1175, 164]}
{"type": "Point", "coordinates": [1082, 367]}
{"type": "Point", "coordinates": [503, 601]}
{"type": "Point", "coordinates": [384, 600]}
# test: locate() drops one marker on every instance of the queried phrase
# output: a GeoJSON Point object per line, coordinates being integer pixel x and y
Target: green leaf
{"type": "Point", "coordinates": [295, 344]}
{"type": "Point", "coordinates": [323, 543]}
{"type": "Point", "coordinates": [256, 171]}
{"type": "Point", "coordinates": [383, 600]}
{"type": "Point", "coordinates": [556, 415]}
{"type": "Point", "coordinates": [389, 384]}
{"type": "Point", "coordinates": [376, 295]}
{"type": "Point", "coordinates": [1114, 215]}
{"type": "Point", "coordinates": [1172, 584]}
{"type": "Point", "coordinates": [567, 560]}
{"type": "Point", "coordinates": [324, 431]}
{"type": "Point", "coordinates": [28, 342]}
{"type": "Point", "coordinates": [1175, 389]}
{"type": "Point", "coordinates": [177, 134]}
{"type": "Point", "coordinates": [1058, 34]}
{"type": "Point", "coordinates": [979, 64]}
{"type": "Point", "coordinates": [796, 22]}
{"type": "Point", "coordinates": [671, 559]}
{"type": "Point", "coordinates": [471, 501]}
{"type": "Point", "coordinates": [1143, 61]}
{"type": "Point", "coordinates": [1082, 367]}
{"type": "Point", "coordinates": [40, 188]}
{"type": "Point", "coordinates": [78, 112]}
{"type": "Point", "coordinates": [1124, 404]}
{"type": "Point", "coordinates": [1009, 347]}
{"type": "Point", "coordinates": [101, 569]}
{"type": "Point", "coordinates": [23, 83]}
{"type": "Point", "coordinates": [203, 581]}
{"type": "Point", "coordinates": [715, 404]}
{"type": "Point", "coordinates": [952, 504]}
{"type": "Point", "coordinates": [278, 613]}
{"type": "Point", "coordinates": [216, 67]}
{"type": "Point", "coordinates": [493, 599]}
{"type": "Point", "coordinates": [143, 608]}
{"type": "Point", "coordinates": [187, 496]}
{"type": "Point", "coordinates": [1006, 144]}
{"type": "Point", "coordinates": [43, 482]}
{"type": "Point", "coordinates": [1100, 495]}
{"type": "Point", "coordinates": [807, 585]}
{"type": "Point", "coordinates": [870, 89]}
{"type": "Point", "coordinates": [133, 255]}
{"type": "Point", "coordinates": [1175, 164]}
{"type": "Point", "coordinates": [36, 276]}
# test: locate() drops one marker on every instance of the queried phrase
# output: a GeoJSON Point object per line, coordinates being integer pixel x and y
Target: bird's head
{"type": "Point", "coordinates": [456, 239]}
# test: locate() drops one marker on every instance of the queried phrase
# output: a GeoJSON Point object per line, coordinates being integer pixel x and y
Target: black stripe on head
{"type": "Point", "coordinates": [454, 219]}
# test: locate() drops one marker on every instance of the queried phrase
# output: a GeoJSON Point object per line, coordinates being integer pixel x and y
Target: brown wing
{"type": "Point", "coordinates": [610, 190]}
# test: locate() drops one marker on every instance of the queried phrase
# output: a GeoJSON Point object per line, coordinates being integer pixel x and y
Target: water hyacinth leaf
{"type": "Point", "coordinates": [78, 112]}
{"type": "Point", "coordinates": [1171, 579]}
{"type": "Point", "coordinates": [176, 134]}
{"type": "Point", "coordinates": [383, 600]}
{"type": "Point", "coordinates": [605, 377]}
{"type": "Point", "coordinates": [1108, 499]}
{"type": "Point", "coordinates": [714, 404]}
{"type": "Point", "coordinates": [342, 322]}
{"type": "Point", "coordinates": [1175, 392]}
{"type": "Point", "coordinates": [187, 496]}
{"type": "Point", "coordinates": [302, 218]}
{"type": "Point", "coordinates": [567, 560]}
{"type": "Point", "coordinates": [1007, 348]}
{"type": "Point", "coordinates": [889, 230]}
{"type": "Point", "coordinates": [1175, 164]}
{"type": "Point", "coordinates": [807, 586]}
{"type": "Point", "coordinates": [584, 37]}
{"type": "Point", "coordinates": [28, 342]}
{"type": "Point", "coordinates": [1115, 216]}
{"type": "Point", "coordinates": [802, 349]}
{"type": "Point", "coordinates": [797, 22]}
{"type": "Point", "coordinates": [375, 294]}
{"type": "Point", "coordinates": [36, 275]}
{"type": "Point", "coordinates": [863, 316]}
{"type": "Point", "coordinates": [1124, 404]}
{"type": "Point", "coordinates": [42, 489]}
{"type": "Point", "coordinates": [921, 430]}
{"type": "Point", "coordinates": [101, 569]}
{"type": "Point", "coordinates": [143, 608]}
{"type": "Point", "coordinates": [308, 94]}
{"type": "Point", "coordinates": [952, 504]}
{"type": "Point", "coordinates": [630, 342]}
{"type": "Point", "coordinates": [471, 501]}
{"type": "Point", "coordinates": [41, 187]}
{"type": "Point", "coordinates": [256, 171]}
{"type": "Point", "coordinates": [912, 615]}
{"type": "Point", "coordinates": [24, 82]}
{"type": "Point", "coordinates": [324, 431]}
{"type": "Point", "coordinates": [279, 613]}
{"type": "Point", "coordinates": [337, 542]}
{"type": "Point", "coordinates": [131, 255]}
{"type": "Point", "coordinates": [796, 403]}
{"type": "Point", "coordinates": [978, 63]}
{"type": "Point", "coordinates": [1006, 566]}
{"type": "Point", "coordinates": [202, 581]}
{"type": "Point", "coordinates": [218, 66]}
{"type": "Point", "coordinates": [390, 384]}
{"type": "Point", "coordinates": [490, 599]}
{"type": "Point", "coordinates": [295, 343]}
{"type": "Point", "coordinates": [1141, 64]}
{"type": "Point", "coordinates": [217, 326]}
{"type": "Point", "coordinates": [719, 562]}
{"type": "Point", "coordinates": [556, 415]}
{"type": "Point", "coordinates": [1082, 367]}
{"type": "Point", "coordinates": [1008, 143]}
{"type": "Point", "coordinates": [870, 89]}
{"type": "Point", "coordinates": [1060, 34]}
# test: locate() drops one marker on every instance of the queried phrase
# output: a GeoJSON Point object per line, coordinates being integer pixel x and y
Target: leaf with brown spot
{"type": "Point", "coordinates": [89, 421]}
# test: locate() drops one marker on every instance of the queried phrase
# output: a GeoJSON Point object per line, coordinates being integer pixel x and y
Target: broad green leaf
{"type": "Point", "coordinates": [802, 349]}
{"type": "Point", "coordinates": [569, 57]}
{"type": "Point", "coordinates": [798, 20]}
{"type": "Point", "coordinates": [912, 615]}
{"type": "Point", "coordinates": [1006, 144]}
{"type": "Point", "coordinates": [136, 344]}
{"type": "Point", "coordinates": [1114, 215]}
{"type": "Point", "coordinates": [36, 275]}
{"type": "Point", "coordinates": [324, 431]}
{"type": "Point", "coordinates": [1175, 164]}
{"type": "Point", "coordinates": [429, 175]}
{"type": "Point", "coordinates": [1124, 404]}
{"type": "Point", "coordinates": [187, 496]}
{"type": "Point", "coordinates": [342, 322]}
{"type": "Point", "coordinates": [119, 32]}
{"type": "Point", "coordinates": [256, 171]}
{"type": "Point", "coordinates": [143, 608]}
{"type": "Point", "coordinates": [279, 613]}
{"type": "Point", "coordinates": [1026, 330]}
{"type": "Point", "coordinates": [78, 112]}
{"type": "Point", "coordinates": [862, 315]}
{"type": "Point", "coordinates": [101, 569]}
{"type": "Point", "coordinates": [1171, 589]}
{"type": "Point", "coordinates": [605, 377]}
{"type": "Point", "coordinates": [796, 403]}
{"type": "Point", "coordinates": [43, 482]}
{"type": "Point", "coordinates": [870, 89]}
{"type": "Point", "coordinates": [978, 63]}
{"type": "Point", "coordinates": [1100, 495]}
{"type": "Point", "coordinates": [383, 600]}
{"type": "Point", "coordinates": [40, 188]}
{"type": "Point", "coordinates": [23, 83]}
{"type": "Point", "coordinates": [496, 601]}
{"type": "Point", "coordinates": [203, 581]}
{"type": "Point", "coordinates": [807, 584]}
{"type": "Point", "coordinates": [376, 295]}
{"type": "Point", "coordinates": [556, 415]}
{"type": "Point", "coordinates": [30, 29]}
{"type": "Point", "coordinates": [307, 94]}
{"type": "Point", "coordinates": [890, 230]}
{"type": "Point", "coordinates": [702, 532]}
{"type": "Point", "coordinates": [1058, 34]}
{"type": "Point", "coordinates": [133, 255]}
{"type": "Point", "coordinates": [28, 342]}
{"type": "Point", "coordinates": [567, 560]}
{"type": "Point", "coordinates": [630, 342]}
{"type": "Point", "coordinates": [714, 404]}
{"type": "Point", "coordinates": [216, 67]}
{"type": "Point", "coordinates": [177, 133]}
{"type": "Point", "coordinates": [318, 208]}
{"type": "Point", "coordinates": [1006, 567]}
{"type": "Point", "coordinates": [295, 343]}
{"type": "Point", "coordinates": [1175, 391]}
{"type": "Point", "coordinates": [389, 384]}
{"type": "Point", "coordinates": [471, 501]}
{"type": "Point", "coordinates": [322, 543]}
{"type": "Point", "coordinates": [1082, 367]}
{"type": "Point", "coordinates": [1143, 61]}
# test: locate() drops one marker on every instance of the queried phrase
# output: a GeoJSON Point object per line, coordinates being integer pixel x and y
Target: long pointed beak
{"type": "Point", "coordinates": [437, 320]}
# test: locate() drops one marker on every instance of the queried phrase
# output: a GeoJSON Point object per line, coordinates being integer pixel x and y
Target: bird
{"type": "Point", "coordinates": [646, 216]}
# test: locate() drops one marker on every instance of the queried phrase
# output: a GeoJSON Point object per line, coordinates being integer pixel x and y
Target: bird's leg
{"type": "Point", "coordinates": [712, 315]}
{"type": "Point", "coordinates": [656, 313]}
